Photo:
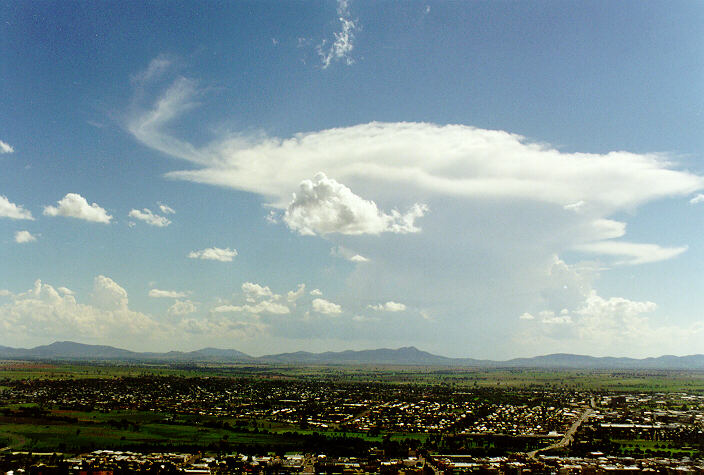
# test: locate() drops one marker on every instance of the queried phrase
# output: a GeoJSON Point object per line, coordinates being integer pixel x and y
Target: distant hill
{"type": "Point", "coordinates": [72, 351]}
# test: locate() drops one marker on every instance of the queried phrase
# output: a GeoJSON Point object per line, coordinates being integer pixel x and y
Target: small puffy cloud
{"type": "Point", "coordinates": [324, 206]}
{"type": "Point", "coordinates": [343, 252]}
{"type": "Point", "coordinates": [5, 147]}
{"type": "Point", "coordinates": [253, 292]}
{"type": "Point", "coordinates": [150, 218]}
{"type": "Point", "coordinates": [632, 253]}
{"type": "Point", "coordinates": [182, 307]}
{"type": "Point", "coordinates": [12, 211]}
{"type": "Point", "coordinates": [292, 295]}
{"type": "Point", "coordinates": [214, 254]}
{"type": "Point", "coordinates": [170, 294]}
{"type": "Point", "coordinates": [697, 199]}
{"type": "Point", "coordinates": [24, 236]}
{"type": "Point", "coordinates": [389, 306]}
{"type": "Point", "coordinates": [74, 205]}
{"type": "Point", "coordinates": [343, 45]}
{"type": "Point", "coordinates": [316, 292]}
{"type": "Point", "coordinates": [166, 209]}
{"type": "Point", "coordinates": [325, 307]}
{"type": "Point", "coordinates": [526, 316]}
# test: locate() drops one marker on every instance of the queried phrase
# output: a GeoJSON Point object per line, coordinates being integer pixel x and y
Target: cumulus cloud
{"type": "Point", "coordinates": [24, 236]}
{"type": "Point", "coordinates": [150, 218]}
{"type": "Point", "coordinates": [5, 147]}
{"type": "Point", "coordinates": [47, 312]}
{"type": "Point", "coordinates": [316, 292]}
{"type": "Point", "coordinates": [293, 295]}
{"type": "Point", "coordinates": [344, 253]}
{"type": "Point", "coordinates": [325, 307]}
{"type": "Point", "coordinates": [632, 253]}
{"type": "Point", "coordinates": [182, 307]}
{"type": "Point", "coordinates": [389, 306]}
{"type": "Point", "coordinates": [13, 211]}
{"type": "Point", "coordinates": [343, 45]}
{"type": "Point", "coordinates": [324, 206]}
{"type": "Point", "coordinates": [171, 294]}
{"type": "Point", "coordinates": [74, 205]}
{"type": "Point", "coordinates": [214, 254]}
{"type": "Point", "coordinates": [253, 292]}
{"type": "Point", "coordinates": [526, 316]}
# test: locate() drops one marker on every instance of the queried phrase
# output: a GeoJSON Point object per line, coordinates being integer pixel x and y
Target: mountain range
{"type": "Point", "coordinates": [68, 350]}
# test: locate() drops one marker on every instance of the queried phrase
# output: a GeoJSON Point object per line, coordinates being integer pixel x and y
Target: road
{"type": "Point", "coordinates": [569, 435]}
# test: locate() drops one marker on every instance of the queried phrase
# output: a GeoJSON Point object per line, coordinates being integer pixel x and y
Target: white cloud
{"type": "Point", "coordinates": [214, 254]}
{"type": "Point", "coordinates": [325, 307]}
{"type": "Point", "coordinates": [697, 199]}
{"type": "Point", "coordinates": [316, 292]}
{"type": "Point", "coordinates": [389, 306]}
{"type": "Point", "coordinates": [325, 206]}
{"type": "Point", "coordinates": [13, 211]}
{"type": "Point", "coordinates": [632, 253]}
{"type": "Point", "coordinates": [292, 295]}
{"type": "Point", "coordinates": [166, 209]}
{"type": "Point", "coordinates": [150, 218]}
{"type": "Point", "coordinates": [343, 252]}
{"type": "Point", "coordinates": [24, 236]}
{"type": "Point", "coordinates": [182, 307]}
{"type": "Point", "coordinates": [5, 147]}
{"type": "Point", "coordinates": [74, 205]}
{"type": "Point", "coordinates": [219, 326]}
{"type": "Point", "coordinates": [157, 67]}
{"type": "Point", "coordinates": [265, 306]}
{"type": "Point", "coordinates": [171, 294]}
{"type": "Point", "coordinates": [343, 45]}
{"type": "Point", "coordinates": [526, 316]}
{"type": "Point", "coordinates": [253, 292]}
{"type": "Point", "coordinates": [45, 312]}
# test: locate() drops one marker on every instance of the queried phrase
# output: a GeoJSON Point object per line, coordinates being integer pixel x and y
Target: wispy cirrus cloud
{"type": "Point", "coordinates": [341, 48]}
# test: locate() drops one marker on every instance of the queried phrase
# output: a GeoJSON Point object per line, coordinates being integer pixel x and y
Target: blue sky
{"type": "Point", "coordinates": [481, 179]}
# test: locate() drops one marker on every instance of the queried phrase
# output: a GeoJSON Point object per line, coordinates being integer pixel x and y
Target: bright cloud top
{"type": "Point", "coordinates": [150, 218]}
{"type": "Point", "coordinates": [214, 254]}
{"type": "Point", "coordinates": [24, 237]}
{"type": "Point", "coordinates": [13, 211]}
{"type": "Point", "coordinates": [324, 206]}
{"type": "Point", "coordinates": [74, 205]}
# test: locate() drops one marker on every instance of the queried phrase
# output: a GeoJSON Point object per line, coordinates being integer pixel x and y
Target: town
{"type": "Point", "coordinates": [302, 424]}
